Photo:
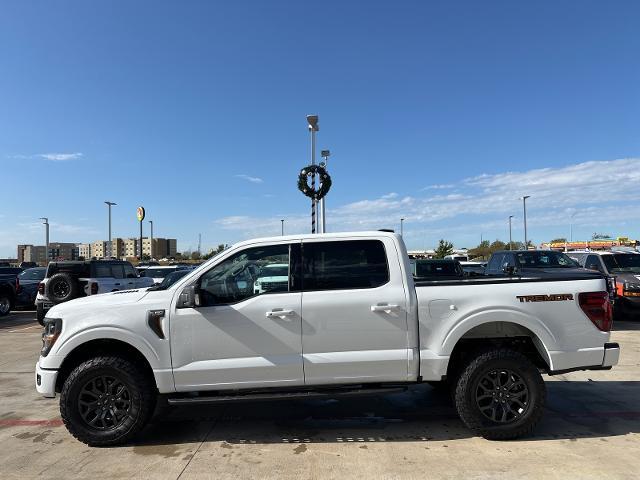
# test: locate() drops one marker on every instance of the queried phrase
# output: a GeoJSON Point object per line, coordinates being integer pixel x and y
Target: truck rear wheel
{"type": "Point", "coordinates": [106, 401]}
{"type": "Point", "coordinates": [500, 395]}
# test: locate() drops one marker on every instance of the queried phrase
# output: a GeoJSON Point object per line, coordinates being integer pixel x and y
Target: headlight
{"type": "Point", "coordinates": [52, 329]}
{"type": "Point", "coordinates": [631, 286]}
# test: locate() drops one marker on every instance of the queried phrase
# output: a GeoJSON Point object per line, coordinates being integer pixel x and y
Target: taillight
{"type": "Point", "coordinates": [17, 285]}
{"type": "Point", "coordinates": [94, 288]}
{"type": "Point", "coordinates": [597, 307]}
{"type": "Point", "coordinates": [41, 288]}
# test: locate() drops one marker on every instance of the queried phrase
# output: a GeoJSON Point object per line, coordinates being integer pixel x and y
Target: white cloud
{"type": "Point", "coordinates": [249, 178]}
{"type": "Point", "coordinates": [60, 157]}
{"type": "Point", "coordinates": [594, 190]}
{"type": "Point", "coordinates": [439, 187]}
{"type": "Point", "coordinates": [54, 157]}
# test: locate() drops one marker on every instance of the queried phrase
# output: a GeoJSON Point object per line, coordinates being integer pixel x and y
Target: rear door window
{"type": "Point", "coordinates": [102, 270]}
{"type": "Point", "coordinates": [117, 271]}
{"type": "Point", "coordinates": [495, 264]}
{"type": "Point", "coordinates": [344, 265]}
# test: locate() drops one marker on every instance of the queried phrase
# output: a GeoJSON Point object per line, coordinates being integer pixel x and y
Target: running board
{"type": "Point", "coordinates": [256, 397]}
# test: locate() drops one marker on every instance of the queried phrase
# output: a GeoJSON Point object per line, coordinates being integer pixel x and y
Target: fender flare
{"type": "Point", "coordinates": [543, 337]}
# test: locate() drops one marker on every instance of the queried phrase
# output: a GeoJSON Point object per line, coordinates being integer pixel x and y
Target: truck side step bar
{"type": "Point", "coordinates": [255, 397]}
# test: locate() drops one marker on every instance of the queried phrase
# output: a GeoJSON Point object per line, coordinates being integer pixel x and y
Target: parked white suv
{"type": "Point", "coordinates": [67, 280]}
{"type": "Point", "coordinates": [349, 320]}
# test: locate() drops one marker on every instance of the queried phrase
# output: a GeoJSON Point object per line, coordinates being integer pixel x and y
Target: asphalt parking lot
{"type": "Point", "coordinates": [590, 430]}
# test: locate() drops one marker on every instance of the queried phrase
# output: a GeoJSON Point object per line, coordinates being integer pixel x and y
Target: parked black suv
{"type": "Point", "coordinates": [9, 285]}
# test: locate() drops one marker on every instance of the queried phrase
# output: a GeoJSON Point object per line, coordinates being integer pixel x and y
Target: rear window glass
{"type": "Point", "coordinates": [32, 274]}
{"type": "Point", "coordinates": [344, 265]}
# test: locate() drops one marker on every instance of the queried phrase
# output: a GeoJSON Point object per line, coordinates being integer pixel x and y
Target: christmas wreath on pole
{"type": "Point", "coordinates": [325, 181]}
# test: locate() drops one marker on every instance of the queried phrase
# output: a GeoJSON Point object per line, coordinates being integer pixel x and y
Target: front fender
{"type": "Point", "coordinates": [62, 350]}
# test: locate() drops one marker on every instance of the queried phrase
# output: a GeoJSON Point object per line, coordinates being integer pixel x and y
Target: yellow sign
{"type": "Point", "coordinates": [140, 213]}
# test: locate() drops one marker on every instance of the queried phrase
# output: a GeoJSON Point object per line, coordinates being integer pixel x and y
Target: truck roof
{"type": "Point", "coordinates": [318, 236]}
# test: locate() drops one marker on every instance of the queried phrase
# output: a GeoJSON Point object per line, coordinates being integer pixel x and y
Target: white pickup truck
{"type": "Point", "coordinates": [350, 320]}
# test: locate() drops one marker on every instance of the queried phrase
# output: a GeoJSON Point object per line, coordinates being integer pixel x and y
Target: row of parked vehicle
{"type": "Point", "coordinates": [62, 281]}
{"type": "Point", "coordinates": [621, 267]}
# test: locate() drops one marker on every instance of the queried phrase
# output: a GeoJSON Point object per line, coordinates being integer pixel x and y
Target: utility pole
{"type": "Point", "coordinates": [46, 227]}
{"type": "Point", "coordinates": [524, 209]}
{"type": "Point", "coordinates": [323, 229]}
{"type": "Point", "coordinates": [510, 241]}
{"type": "Point", "coordinates": [401, 227]}
{"type": "Point", "coordinates": [151, 241]}
{"type": "Point", "coordinates": [199, 244]}
{"type": "Point", "coordinates": [312, 121]}
{"type": "Point", "coordinates": [109, 205]}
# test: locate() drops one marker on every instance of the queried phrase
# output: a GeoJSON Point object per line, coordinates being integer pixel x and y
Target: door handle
{"type": "Point", "coordinates": [279, 313]}
{"type": "Point", "coordinates": [384, 308]}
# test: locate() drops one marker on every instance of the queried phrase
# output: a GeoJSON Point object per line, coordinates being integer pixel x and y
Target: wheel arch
{"type": "Point", "coordinates": [480, 336]}
{"type": "Point", "coordinates": [102, 347]}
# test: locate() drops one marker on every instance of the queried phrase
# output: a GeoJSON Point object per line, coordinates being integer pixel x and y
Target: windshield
{"type": "Point", "coordinates": [544, 259]}
{"type": "Point", "coordinates": [172, 278]}
{"type": "Point", "coordinates": [622, 262]}
{"type": "Point", "coordinates": [157, 272]}
{"type": "Point", "coordinates": [33, 274]}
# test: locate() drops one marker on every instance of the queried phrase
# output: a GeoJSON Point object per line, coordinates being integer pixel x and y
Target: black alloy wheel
{"type": "Point", "coordinates": [502, 396]}
{"type": "Point", "coordinates": [104, 403]}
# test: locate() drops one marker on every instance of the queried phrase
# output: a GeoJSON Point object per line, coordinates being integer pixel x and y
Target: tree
{"type": "Point", "coordinates": [559, 240]}
{"type": "Point", "coordinates": [444, 248]}
{"type": "Point", "coordinates": [214, 251]}
{"type": "Point", "coordinates": [600, 236]}
{"type": "Point", "coordinates": [195, 255]}
{"type": "Point", "coordinates": [482, 250]}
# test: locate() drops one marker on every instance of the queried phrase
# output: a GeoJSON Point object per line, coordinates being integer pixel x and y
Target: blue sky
{"type": "Point", "coordinates": [440, 112]}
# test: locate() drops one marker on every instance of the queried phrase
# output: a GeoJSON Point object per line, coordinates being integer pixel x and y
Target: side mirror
{"type": "Point", "coordinates": [189, 298]}
{"type": "Point", "coordinates": [509, 269]}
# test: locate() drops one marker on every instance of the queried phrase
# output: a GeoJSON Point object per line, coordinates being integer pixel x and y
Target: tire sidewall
{"type": "Point", "coordinates": [70, 394]}
{"type": "Point", "coordinates": [60, 278]}
{"type": "Point", "coordinates": [529, 375]}
{"type": "Point", "coordinates": [3, 298]}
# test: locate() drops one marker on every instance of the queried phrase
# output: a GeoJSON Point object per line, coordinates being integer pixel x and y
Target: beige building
{"type": "Point", "coordinates": [98, 249]}
{"type": "Point", "coordinates": [162, 247]}
{"type": "Point", "coordinates": [84, 251]}
{"type": "Point", "coordinates": [117, 247]}
{"type": "Point", "coordinates": [36, 254]}
{"type": "Point", "coordinates": [130, 247]}
{"type": "Point", "coordinates": [21, 249]}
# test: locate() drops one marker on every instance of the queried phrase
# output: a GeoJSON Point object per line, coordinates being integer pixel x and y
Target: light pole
{"type": "Point", "coordinates": [282, 227]}
{"type": "Point", "coordinates": [524, 209]}
{"type": "Point", "coordinates": [510, 241]}
{"type": "Point", "coordinates": [109, 205]}
{"type": "Point", "coordinates": [312, 121]}
{"type": "Point", "coordinates": [571, 227]}
{"type": "Point", "coordinates": [151, 241]}
{"type": "Point", "coordinates": [46, 227]}
{"type": "Point", "coordinates": [401, 226]}
{"type": "Point", "coordinates": [325, 154]}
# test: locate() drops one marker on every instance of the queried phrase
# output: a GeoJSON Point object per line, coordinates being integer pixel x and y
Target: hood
{"type": "Point", "coordinates": [122, 297]}
{"type": "Point", "coordinates": [627, 277]}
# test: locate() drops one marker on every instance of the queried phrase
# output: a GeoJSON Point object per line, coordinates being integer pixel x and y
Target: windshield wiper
{"type": "Point", "coordinates": [157, 287]}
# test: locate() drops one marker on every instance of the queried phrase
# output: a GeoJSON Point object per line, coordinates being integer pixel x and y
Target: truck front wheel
{"type": "Point", "coordinates": [106, 401]}
{"type": "Point", "coordinates": [500, 395]}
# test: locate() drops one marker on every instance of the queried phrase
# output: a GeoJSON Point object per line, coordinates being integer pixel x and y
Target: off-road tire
{"type": "Point", "coordinates": [142, 397]}
{"type": "Point", "coordinates": [468, 389]}
{"type": "Point", "coordinates": [62, 287]}
{"type": "Point", "coordinates": [40, 313]}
